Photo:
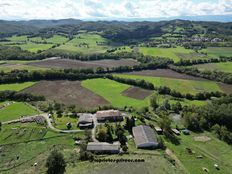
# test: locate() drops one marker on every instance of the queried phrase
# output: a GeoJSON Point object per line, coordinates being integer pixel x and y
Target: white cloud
{"type": "Point", "coordinates": [57, 9]}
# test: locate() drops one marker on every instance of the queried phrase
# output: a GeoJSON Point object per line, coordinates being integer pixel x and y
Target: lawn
{"type": "Point", "coordinates": [86, 44]}
{"type": "Point", "coordinates": [212, 152]}
{"type": "Point", "coordinates": [222, 66]}
{"type": "Point", "coordinates": [111, 91]}
{"type": "Point", "coordinates": [180, 85]}
{"type": "Point", "coordinates": [173, 53]}
{"type": "Point", "coordinates": [15, 111]}
{"type": "Point", "coordinates": [56, 39]}
{"type": "Point", "coordinates": [60, 122]}
{"type": "Point", "coordinates": [16, 86]}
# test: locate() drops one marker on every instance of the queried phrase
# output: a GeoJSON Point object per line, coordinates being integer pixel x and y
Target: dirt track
{"type": "Point", "coordinates": [68, 93]}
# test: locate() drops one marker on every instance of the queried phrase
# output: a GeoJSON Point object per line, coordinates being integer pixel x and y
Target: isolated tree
{"type": "Point", "coordinates": [55, 163]}
{"type": "Point", "coordinates": [101, 134]}
{"type": "Point", "coordinates": [153, 102]}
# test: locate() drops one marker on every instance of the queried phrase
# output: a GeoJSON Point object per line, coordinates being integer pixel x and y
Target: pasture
{"type": "Point", "coordinates": [15, 111]}
{"type": "Point", "coordinates": [202, 153]}
{"type": "Point", "coordinates": [16, 86]}
{"type": "Point", "coordinates": [173, 53]}
{"type": "Point", "coordinates": [180, 85]}
{"type": "Point", "coordinates": [218, 51]}
{"type": "Point", "coordinates": [32, 143]}
{"type": "Point", "coordinates": [68, 93]}
{"type": "Point", "coordinates": [112, 92]}
{"type": "Point", "coordinates": [222, 66]}
{"type": "Point", "coordinates": [86, 44]}
{"type": "Point", "coordinates": [55, 39]}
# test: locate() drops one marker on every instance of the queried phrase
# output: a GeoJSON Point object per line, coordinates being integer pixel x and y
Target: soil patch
{"type": "Point", "coordinates": [166, 73]}
{"type": "Point", "coordinates": [202, 138]}
{"type": "Point", "coordinates": [68, 93]}
{"type": "Point", "coordinates": [77, 64]}
{"type": "Point", "coordinates": [226, 88]}
{"type": "Point", "coordinates": [137, 93]}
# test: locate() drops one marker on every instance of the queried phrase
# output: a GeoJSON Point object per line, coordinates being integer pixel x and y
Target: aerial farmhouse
{"type": "Point", "coordinates": [144, 137]}
{"type": "Point", "coordinates": [85, 121]}
{"type": "Point", "coordinates": [103, 148]}
{"type": "Point", "coordinates": [111, 115]}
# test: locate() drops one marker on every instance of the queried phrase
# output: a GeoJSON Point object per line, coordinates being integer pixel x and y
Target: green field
{"type": "Point", "coordinates": [55, 39]}
{"type": "Point", "coordinates": [212, 152]}
{"type": "Point", "coordinates": [16, 86]}
{"type": "Point", "coordinates": [218, 51]}
{"type": "Point", "coordinates": [173, 53]}
{"type": "Point", "coordinates": [33, 47]}
{"type": "Point", "coordinates": [222, 66]}
{"type": "Point", "coordinates": [183, 86]}
{"type": "Point", "coordinates": [86, 44]}
{"type": "Point", "coordinates": [111, 91]}
{"type": "Point", "coordinates": [15, 111]}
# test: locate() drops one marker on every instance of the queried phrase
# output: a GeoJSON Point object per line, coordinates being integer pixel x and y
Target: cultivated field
{"type": "Point", "coordinates": [76, 64]}
{"type": "Point", "coordinates": [164, 73]}
{"type": "Point", "coordinates": [8, 66]}
{"type": "Point", "coordinates": [222, 66]}
{"type": "Point", "coordinates": [173, 53]}
{"type": "Point", "coordinates": [68, 93]}
{"type": "Point", "coordinates": [16, 86]}
{"type": "Point", "coordinates": [183, 86]}
{"type": "Point", "coordinates": [112, 92]}
{"type": "Point", "coordinates": [137, 93]}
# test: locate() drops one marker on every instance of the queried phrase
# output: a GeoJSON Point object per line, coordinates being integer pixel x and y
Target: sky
{"type": "Point", "coordinates": [110, 9]}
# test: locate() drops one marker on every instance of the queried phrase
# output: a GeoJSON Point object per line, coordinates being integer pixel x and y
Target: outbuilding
{"type": "Point", "coordinates": [111, 115]}
{"type": "Point", "coordinates": [85, 121]}
{"type": "Point", "coordinates": [144, 137]}
{"type": "Point", "coordinates": [103, 148]}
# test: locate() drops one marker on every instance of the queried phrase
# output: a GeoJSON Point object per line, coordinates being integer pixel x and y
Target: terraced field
{"type": "Point", "coordinates": [16, 86]}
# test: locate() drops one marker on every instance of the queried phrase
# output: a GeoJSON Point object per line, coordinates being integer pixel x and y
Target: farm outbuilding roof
{"type": "Point", "coordinates": [144, 137]}
{"type": "Point", "coordinates": [85, 118]}
{"type": "Point", "coordinates": [109, 115]}
{"type": "Point", "coordinates": [103, 147]}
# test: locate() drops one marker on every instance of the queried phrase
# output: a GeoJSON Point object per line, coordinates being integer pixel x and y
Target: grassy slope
{"type": "Point", "coordinates": [16, 86]}
{"type": "Point", "coordinates": [183, 86]}
{"type": "Point", "coordinates": [15, 111]}
{"type": "Point", "coordinates": [213, 152]}
{"type": "Point", "coordinates": [165, 52]}
{"type": "Point", "coordinates": [111, 91]}
{"type": "Point", "coordinates": [218, 51]}
{"type": "Point", "coordinates": [222, 66]}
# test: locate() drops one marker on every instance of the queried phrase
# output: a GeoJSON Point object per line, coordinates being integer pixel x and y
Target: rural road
{"type": "Point", "coordinates": [94, 129]}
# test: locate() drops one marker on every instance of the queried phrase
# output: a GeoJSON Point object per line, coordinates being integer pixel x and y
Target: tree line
{"type": "Point", "coordinates": [21, 97]}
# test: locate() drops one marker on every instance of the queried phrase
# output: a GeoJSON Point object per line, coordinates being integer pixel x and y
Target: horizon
{"type": "Point", "coordinates": [123, 10]}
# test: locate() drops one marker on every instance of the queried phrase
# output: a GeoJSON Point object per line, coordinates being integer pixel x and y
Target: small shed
{"type": "Point", "coordinates": [103, 148]}
{"type": "Point", "coordinates": [144, 137]}
{"type": "Point", "coordinates": [158, 130]}
{"type": "Point", "coordinates": [175, 131]}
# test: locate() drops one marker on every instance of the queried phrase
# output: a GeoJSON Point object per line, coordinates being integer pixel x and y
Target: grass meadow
{"type": "Point", "coordinates": [222, 66]}
{"type": "Point", "coordinates": [180, 85]}
{"type": "Point", "coordinates": [16, 86]}
{"type": "Point", "coordinates": [15, 111]}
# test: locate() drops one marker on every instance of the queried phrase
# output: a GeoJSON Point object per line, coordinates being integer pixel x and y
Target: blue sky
{"type": "Point", "coordinates": [111, 9]}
